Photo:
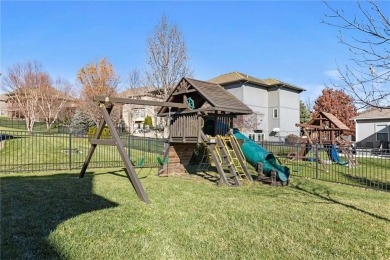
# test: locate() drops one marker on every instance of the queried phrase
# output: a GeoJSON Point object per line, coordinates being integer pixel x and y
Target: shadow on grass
{"type": "Point", "coordinates": [32, 207]}
{"type": "Point", "coordinates": [324, 194]}
{"type": "Point", "coordinates": [367, 183]}
{"type": "Point", "coordinates": [192, 170]}
{"type": "Point", "coordinates": [142, 172]}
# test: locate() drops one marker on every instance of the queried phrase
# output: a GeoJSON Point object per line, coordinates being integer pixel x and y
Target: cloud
{"type": "Point", "coordinates": [333, 74]}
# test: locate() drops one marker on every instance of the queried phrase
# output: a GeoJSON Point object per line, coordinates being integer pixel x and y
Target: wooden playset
{"type": "Point", "coordinates": [324, 130]}
{"type": "Point", "coordinates": [198, 112]}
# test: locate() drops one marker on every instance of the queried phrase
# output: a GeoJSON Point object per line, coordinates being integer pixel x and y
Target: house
{"type": "Point", "coordinates": [373, 128]}
{"type": "Point", "coordinates": [3, 105]}
{"type": "Point", "coordinates": [275, 105]}
{"type": "Point", "coordinates": [31, 99]}
{"type": "Point", "coordinates": [134, 115]}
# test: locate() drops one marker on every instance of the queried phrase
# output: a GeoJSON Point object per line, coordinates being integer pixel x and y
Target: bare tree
{"type": "Point", "coordinates": [166, 57]}
{"type": "Point", "coordinates": [134, 79]}
{"type": "Point", "coordinates": [23, 83]}
{"type": "Point", "coordinates": [98, 79]}
{"type": "Point", "coordinates": [367, 37]}
{"type": "Point", "coordinates": [53, 98]}
{"type": "Point", "coordinates": [247, 123]}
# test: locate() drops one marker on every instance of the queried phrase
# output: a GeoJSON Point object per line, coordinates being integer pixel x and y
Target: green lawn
{"type": "Point", "coordinates": [42, 151]}
{"type": "Point", "coordinates": [58, 215]}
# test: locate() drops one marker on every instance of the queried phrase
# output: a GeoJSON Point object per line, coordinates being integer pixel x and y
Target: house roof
{"type": "Point", "coordinates": [217, 98]}
{"type": "Point", "coordinates": [234, 77]}
{"type": "Point", "coordinates": [3, 97]}
{"type": "Point", "coordinates": [374, 113]}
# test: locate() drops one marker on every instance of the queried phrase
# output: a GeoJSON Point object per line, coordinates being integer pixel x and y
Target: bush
{"type": "Point", "coordinates": [292, 139]}
{"type": "Point", "coordinates": [148, 123]}
{"type": "Point", "coordinates": [105, 134]}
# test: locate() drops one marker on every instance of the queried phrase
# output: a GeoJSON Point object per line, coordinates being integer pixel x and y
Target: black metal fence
{"type": "Point", "coordinates": [24, 152]}
{"type": "Point", "coordinates": [369, 168]}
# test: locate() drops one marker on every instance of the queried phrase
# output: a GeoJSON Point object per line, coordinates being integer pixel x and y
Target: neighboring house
{"type": "Point", "coordinates": [14, 111]}
{"type": "Point", "coordinates": [3, 105]}
{"type": "Point", "coordinates": [134, 115]}
{"type": "Point", "coordinates": [373, 128]}
{"type": "Point", "coordinates": [275, 104]}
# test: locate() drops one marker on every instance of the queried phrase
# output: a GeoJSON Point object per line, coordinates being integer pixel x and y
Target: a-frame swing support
{"type": "Point", "coordinates": [106, 105]}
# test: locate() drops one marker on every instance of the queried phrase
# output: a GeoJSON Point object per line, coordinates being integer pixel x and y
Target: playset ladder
{"type": "Point", "coordinates": [349, 156]}
{"type": "Point", "coordinates": [222, 161]}
{"type": "Point", "coordinates": [236, 156]}
{"type": "Point", "coordinates": [205, 162]}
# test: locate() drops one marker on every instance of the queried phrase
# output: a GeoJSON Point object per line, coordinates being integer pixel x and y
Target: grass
{"type": "Point", "coordinates": [59, 216]}
{"type": "Point", "coordinates": [42, 151]}
{"type": "Point", "coordinates": [20, 125]}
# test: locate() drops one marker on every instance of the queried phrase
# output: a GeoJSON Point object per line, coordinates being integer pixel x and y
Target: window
{"type": "Point", "coordinates": [139, 113]}
{"type": "Point", "coordinates": [382, 132]}
{"type": "Point", "coordinates": [275, 113]}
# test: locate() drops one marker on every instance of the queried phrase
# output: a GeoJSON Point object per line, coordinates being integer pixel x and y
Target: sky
{"type": "Point", "coordinates": [265, 39]}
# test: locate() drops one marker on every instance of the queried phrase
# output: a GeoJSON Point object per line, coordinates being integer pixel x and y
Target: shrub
{"type": "Point", "coordinates": [148, 123]}
{"type": "Point", "coordinates": [105, 134]}
{"type": "Point", "coordinates": [292, 139]}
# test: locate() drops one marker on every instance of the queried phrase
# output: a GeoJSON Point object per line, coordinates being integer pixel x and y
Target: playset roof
{"type": "Point", "coordinates": [207, 97]}
{"type": "Point", "coordinates": [322, 116]}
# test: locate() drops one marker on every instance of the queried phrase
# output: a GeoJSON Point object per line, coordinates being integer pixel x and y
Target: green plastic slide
{"type": "Point", "coordinates": [254, 154]}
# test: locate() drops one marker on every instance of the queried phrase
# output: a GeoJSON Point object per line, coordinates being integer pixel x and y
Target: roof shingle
{"type": "Point", "coordinates": [238, 77]}
{"type": "Point", "coordinates": [374, 113]}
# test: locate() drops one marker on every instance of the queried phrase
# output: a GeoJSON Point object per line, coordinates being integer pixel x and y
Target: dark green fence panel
{"type": "Point", "coordinates": [24, 152]}
{"type": "Point", "coordinates": [372, 170]}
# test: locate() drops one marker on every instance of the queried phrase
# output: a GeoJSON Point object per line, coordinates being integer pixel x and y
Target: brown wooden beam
{"type": "Point", "coordinates": [139, 102]}
{"type": "Point", "coordinates": [184, 92]}
{"type": "Point", "coordinates": [93, 146]}
{"type": "Point", "coordinates": [103, 141]}
{"type": "Point", "coordinates": [129, 168]}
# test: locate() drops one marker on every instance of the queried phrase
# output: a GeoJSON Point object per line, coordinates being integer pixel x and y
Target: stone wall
{"type": "Point", "coordinates": [179, 157]}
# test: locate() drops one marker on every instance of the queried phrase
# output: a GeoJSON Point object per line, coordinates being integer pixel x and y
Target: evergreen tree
{"type": "Point", "coordinates": [81, 122]}
{"type": "Point", "coordinates": [305, 114]}
{"type": "Point", "coordinates": [148, 122]}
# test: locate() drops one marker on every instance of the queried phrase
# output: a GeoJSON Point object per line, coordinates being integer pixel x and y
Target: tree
{"type": "Point", "coordinates": [98, 79]}
{"type": "Point", "coordinates": [305, 114]}
{"type": "Point", "coordinates": [338, 103]}
{"type": "Point", "coordinates": [134, 79]}
{"type": "Point", "coordinates": [52, 99]}
{"type": "Point", "coordinates": [24, 83]}
{"type": "Point", "coordinates": [148, 122]}
{"type": "Point", "coordinates": [166, 57]}
{"type": "Point", "coordinates": [367, 37]}
{"type": "Point", "coordinates": [80, 123]}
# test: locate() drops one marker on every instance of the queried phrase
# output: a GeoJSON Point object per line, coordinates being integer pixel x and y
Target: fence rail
{"type": "Point", "coordinates": [372, 169]}
{"type": "Point", "coordinates": [23, 152]}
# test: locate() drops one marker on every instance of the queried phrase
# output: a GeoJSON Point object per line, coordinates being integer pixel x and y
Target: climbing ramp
{"type": "Point", "coordinates": [228, 159]}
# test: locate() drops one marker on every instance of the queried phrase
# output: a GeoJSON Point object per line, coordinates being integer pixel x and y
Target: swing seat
{"type": "Point", "coordinates": [161, 162]}
{"type": "Point", "coordinates": [140, 163]}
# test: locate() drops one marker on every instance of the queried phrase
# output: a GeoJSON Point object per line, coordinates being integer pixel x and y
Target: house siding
{"type": "Point", "coordinates": [289, 112]}
{"type": "Point", "coordinates": [263, 101]}
{"type": "Point", "coordinates": [366, 131]}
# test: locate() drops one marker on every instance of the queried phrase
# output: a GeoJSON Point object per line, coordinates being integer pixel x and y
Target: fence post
{"type": "Point", "coordinates": [128, 146]}
{"type": "Point", "coordinates": [317, 159]}
{"type": "Point", "coordinates": [70, 151]}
